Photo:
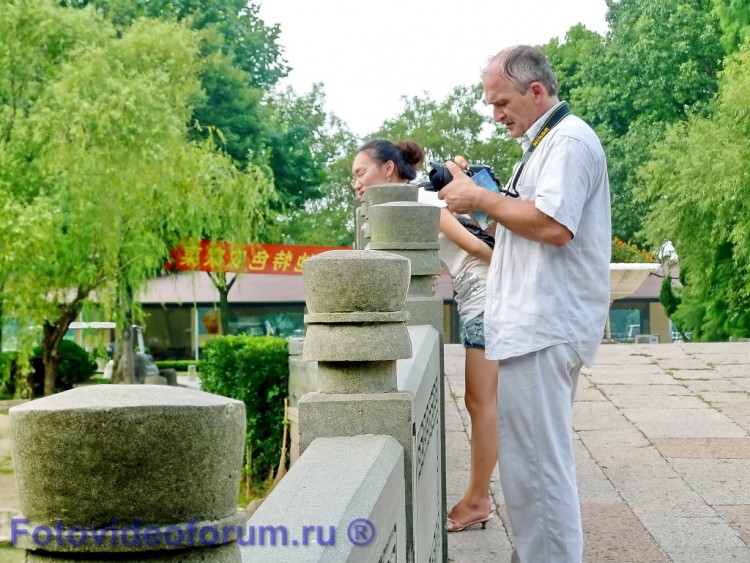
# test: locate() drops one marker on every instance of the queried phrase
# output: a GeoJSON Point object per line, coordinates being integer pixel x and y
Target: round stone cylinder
{"type": "Point", "coordinates": [343, 281]}
{"type": "Point", "coordinates": [383, 193]}
{"type": "Point", "coordinates": [404, 226]}
{"type": "Point", "coordinates": [359, 342]}
{"type": "Point", "coordinates": [125, 455]}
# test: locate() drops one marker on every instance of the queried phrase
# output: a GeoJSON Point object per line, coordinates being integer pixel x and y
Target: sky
{"type": "Point", "coordinates": [368, 55]}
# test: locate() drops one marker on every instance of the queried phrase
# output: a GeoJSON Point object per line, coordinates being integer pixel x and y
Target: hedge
{"type": "Point", "coordinates": [179, 365]}
{"type": "Point", "coordinates": [254, 370]}
{"type": "Point", "coordinates": [7, 367]}
{"type": "Point", "coordinates": [76, 366]}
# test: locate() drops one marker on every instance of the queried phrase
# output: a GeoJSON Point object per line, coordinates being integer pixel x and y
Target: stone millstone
{"type": "Point", "coordinates": [404, 225]}
{"type": "Point", "coordinates": [344, 281]}
{"type": "Point", "coordinates": [365, 342]}
{"type": "Point", "coordinates": [383, 193]}
{"type": "Point", "coordinates": [154, 454]}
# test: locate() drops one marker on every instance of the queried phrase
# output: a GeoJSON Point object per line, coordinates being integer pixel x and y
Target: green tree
{"type": "Point", "coordinates": [456, 125]}
{"type": "Point", "coordinates": [657, 65]}
{"type": "Point", "coordinates": [698, 183]}
{"type": "Point", "coordinates": [578, 61]}
{"type": "Point", "coordinates": [734, 18]}
{"type": "Point", "coordinates": [103, 138]}
{"type": "Point", "coordinates": [296, 145]}
{"type": "Point", "coordinates": [254, 123]}
{"type": "Point", "coordinates": [246, 38]}
{"type": "Point", "coordinates": [329, 220]}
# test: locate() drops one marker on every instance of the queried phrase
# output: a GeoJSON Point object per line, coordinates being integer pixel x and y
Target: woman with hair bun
{"type": "Point", "coordinates": [467, 259]}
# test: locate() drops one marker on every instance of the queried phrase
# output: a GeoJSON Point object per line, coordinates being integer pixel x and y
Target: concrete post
{"type": "Point", "coordinates": [411, 230]}
{"type": "Point", "coordinates": [356, 330]}
{"type": "Point", "coordinates": [137, 472]}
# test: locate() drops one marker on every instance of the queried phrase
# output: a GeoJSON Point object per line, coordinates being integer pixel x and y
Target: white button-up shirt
{"type": "Point", "coordinates": [539, 295]}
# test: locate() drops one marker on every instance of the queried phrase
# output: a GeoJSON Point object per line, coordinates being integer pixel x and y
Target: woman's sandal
{"type": "Point", "coordinates": [456, 526]}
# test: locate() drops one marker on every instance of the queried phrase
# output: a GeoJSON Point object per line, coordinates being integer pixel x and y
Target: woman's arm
{"type": "Point", "coordinates": [457, 233]}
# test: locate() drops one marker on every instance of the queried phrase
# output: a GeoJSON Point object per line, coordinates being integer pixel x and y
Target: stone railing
{"type": "Point", "coordinates": [365, 381]}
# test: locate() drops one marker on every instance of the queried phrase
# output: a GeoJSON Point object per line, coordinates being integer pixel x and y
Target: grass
{"type": "Point", "coordinates": [6, 465]}
{"type": "Point", "coordinates": [10, 554]}
{"type": "Point", "coordinates": [256, 491]}
{"type": "Point", "coordinates": [99, 380]}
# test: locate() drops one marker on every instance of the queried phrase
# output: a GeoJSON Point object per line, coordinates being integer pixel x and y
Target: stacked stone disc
{"type": "Point", "coordinates": [355, 300]}
{"type": "Point", "coordinates": [129, 472]}
{"type": "Point", "coordinates": [375, 195]}
{"type": "Point", "coordinates": [411, 230]}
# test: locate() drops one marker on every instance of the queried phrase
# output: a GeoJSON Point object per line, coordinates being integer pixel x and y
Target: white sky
{"type": "Point", "coordinates": [370, 54]}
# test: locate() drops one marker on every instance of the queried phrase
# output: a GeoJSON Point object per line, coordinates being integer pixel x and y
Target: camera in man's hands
{"type": "Point", "coordinates": [440, 176]}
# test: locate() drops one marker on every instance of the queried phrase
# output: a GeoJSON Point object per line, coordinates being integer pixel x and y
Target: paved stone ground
{"type": "Point", "coordinates": [663, 453]}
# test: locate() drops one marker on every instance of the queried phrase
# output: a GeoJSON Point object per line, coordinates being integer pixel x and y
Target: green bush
{"type": "Point", "coordinates": [76, 366]}
{"type": "Point", "coordinates": [629, 253]}
{"type": "Point", "coordinates": [179, 365]}
{"type": "Point", "coordinates": [254, 370]}
{"type": "Point", "coordinates": [7, 369]}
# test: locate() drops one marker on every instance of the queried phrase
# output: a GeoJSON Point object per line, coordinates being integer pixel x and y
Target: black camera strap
{"type": "Point", "coordinates": [562, 111]}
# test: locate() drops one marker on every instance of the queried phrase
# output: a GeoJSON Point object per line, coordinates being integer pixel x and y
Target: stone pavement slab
{"type": "Point", "coordinates": [662, 444]}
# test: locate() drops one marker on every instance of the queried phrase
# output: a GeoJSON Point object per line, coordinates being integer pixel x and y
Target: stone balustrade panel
{"type": "Point", "coordinates": [350, 490]}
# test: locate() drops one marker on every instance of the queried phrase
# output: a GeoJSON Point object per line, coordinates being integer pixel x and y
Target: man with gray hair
{"type": "Point", "coordinates": [547, 295]}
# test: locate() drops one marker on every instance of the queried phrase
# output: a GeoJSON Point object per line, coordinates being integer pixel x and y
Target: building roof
{"type": "Point", "coordinates": [651, 287]}
{"type": "Point", "coordinates": [197, 287]}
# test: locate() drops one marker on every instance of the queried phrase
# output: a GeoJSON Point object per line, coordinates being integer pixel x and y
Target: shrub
{"type": "Point", "coordinates": [254, 370]}
{"type": "Point", "coordinates": [629, 253]}
{"type": "Point", "coordinates": [7, 370]}
{"type": "Point", "coordinates": [179, 365]}
{"type": "Point", "coordinates": [76, 366]}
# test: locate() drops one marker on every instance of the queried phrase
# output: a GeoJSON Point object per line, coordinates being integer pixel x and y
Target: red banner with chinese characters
{"type": "Point", "coordinates": [252, 258]}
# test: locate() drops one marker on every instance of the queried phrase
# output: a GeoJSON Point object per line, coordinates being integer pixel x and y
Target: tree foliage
{"type": "Point", "coordinates": [95, 133]}
{"type": "Point", "coordinates": [242, 62]}
{"type": "Point", "coordinates": [453, 126]}
{"type": "Point", "coordinates": [329, 220]}
{"type": "Point", "coordinates": [698, 181]}
{"type": "Point", "coordinates": [657, 65]}
{"type": "Point", "coordinates": [246, 38]}
{"type": "Point", "coordinates": [734, 19]}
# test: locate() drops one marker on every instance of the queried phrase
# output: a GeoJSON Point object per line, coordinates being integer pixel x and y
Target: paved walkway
{"type": "Point", "coordinates": [663, 451]}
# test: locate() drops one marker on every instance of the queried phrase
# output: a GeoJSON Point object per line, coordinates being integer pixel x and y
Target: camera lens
{"type": "Point", "coordinates": [439, 176]}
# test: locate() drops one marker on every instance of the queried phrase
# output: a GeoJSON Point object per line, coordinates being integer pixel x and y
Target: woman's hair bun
{"type": "Point", "coordinates": [412, 152]}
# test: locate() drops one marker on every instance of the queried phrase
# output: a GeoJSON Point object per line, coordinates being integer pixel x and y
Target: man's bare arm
{"type": "Point", "coordinates": [522, 217]}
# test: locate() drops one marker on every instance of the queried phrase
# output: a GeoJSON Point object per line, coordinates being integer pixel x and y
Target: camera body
{"type": "Point", "coordinates": [481, 174]}
{"type": "Point", "coordinates": [440, 176]}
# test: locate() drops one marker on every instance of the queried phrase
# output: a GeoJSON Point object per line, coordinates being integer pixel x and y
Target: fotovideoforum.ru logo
{"type": "Point", "coordinates": [360, 532]}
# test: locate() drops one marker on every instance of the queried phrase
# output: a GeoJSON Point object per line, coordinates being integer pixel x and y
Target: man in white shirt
{"type": "Point", "coordinates": [547, 295]}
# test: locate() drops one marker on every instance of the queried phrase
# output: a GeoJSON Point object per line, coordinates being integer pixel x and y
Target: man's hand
{"type": "Point", "coordinates": [461, 194]}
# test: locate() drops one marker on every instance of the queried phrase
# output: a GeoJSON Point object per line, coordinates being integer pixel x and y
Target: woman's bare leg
{"type": "Point", "coordinates": [481, 402]}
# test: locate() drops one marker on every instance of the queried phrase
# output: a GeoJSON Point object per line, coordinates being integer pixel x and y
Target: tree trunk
{"type": "Point", "coordinates": [50, 358]}
{"type": "Point", "coordinates": [53, 335]}
{"type": "Point", "coordinates": [124, 359]}
{"type": "Point", "coordinates": [219, 279]}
